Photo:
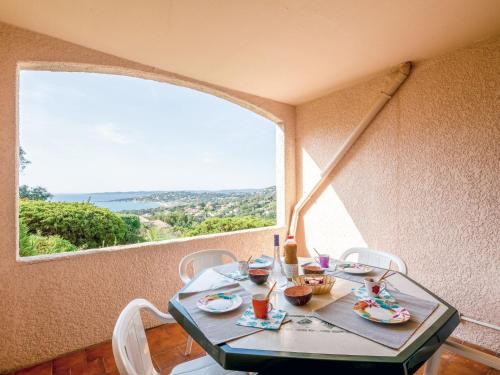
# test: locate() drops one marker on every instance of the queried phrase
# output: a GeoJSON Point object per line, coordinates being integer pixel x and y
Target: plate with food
{"type": "Point", "coordinates": [381, 312]}
{"type": "Point", "coordinates": [218, 303]}
{"type": "Point", "coordinates": [355, 268]}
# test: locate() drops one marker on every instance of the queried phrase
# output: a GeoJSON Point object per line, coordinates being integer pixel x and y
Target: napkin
{"type": "Point", "coordinates": [274, 319]}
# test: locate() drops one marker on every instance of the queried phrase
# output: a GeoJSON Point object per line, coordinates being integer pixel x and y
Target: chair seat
{"type": "Point", "coordinates": [202, 366]}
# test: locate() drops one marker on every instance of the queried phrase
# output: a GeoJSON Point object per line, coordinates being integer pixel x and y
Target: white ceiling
{"type": "Point", "coordinates": [288, 50]}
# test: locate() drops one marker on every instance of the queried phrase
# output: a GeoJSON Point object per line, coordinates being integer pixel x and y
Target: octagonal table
{"type": "Point", "coordinates": [317, 348]}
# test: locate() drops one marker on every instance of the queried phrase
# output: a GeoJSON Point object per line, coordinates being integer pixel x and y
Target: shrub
{"type": "Point", "coordinates": [133, 224]}
{"type": "Point", "coordinates": [33, 244]}
{"type": "Point", "coordinates": [227, 224]}
{"type": "Point", "coordinates": [82, 224]}
{"type": "Point", "coordinates": [51, 245]}
{"type": "Point", "coordinates": [25, 244]}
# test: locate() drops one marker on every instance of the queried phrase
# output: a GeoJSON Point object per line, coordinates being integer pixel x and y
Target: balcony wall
{"type": "Point", "coordinates": [422, 182]}
{"type": "Point", "coordinates": [69, 302]}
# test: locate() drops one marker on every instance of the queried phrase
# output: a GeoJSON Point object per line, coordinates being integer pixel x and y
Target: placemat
{"type": "Point", "coordinates": [394, 336]}
{"type": "Point", "coordinates": [219, 328]}
{"type": "Point", "coordinates": [375, 273]}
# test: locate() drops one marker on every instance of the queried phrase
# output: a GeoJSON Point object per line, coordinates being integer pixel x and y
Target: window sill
{"type": "Point", "coordinates": [143, 245]}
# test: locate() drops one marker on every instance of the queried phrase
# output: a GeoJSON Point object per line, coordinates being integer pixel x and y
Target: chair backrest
{"type": "Point", "coordinates": [200, 261]}
{"type": "Point", "coordinates": [375, 258]}
{"type": "Point", "coordinates": [130, 346]}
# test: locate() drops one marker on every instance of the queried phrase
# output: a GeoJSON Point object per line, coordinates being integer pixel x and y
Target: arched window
{"type": "Point", "coordinates": [110, 159]}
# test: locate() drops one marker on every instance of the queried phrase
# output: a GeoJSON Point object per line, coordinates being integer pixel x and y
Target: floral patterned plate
{"type": "Point", "coordinates": [384, 295]}
{"type": "Point", "coordinates": [274, 319]}
{"type": "Point", "coordinates": [381, 312]}
{"type": "Point", "coordinates": [219, 302]}
{"type": "Point", "coordinates": [355, 268]}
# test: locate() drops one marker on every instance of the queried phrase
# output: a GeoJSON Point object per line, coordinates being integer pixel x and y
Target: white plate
{"type": "Point", "coordinates": [263, 263]}
{"type": "Point", "coordinates": [355, 268]}
{"type": "Point", "coordinates": [218, 303]}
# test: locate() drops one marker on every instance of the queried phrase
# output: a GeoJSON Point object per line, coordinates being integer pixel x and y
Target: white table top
{"type": "Point", "coordinates": [318, 338]}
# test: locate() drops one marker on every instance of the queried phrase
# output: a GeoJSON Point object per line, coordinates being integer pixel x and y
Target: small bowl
{"type": "Point", "coordinates": [298, 295]}
{"type": "Point", "coordinates": [258, 275]}
{"type": "Point", "coordinates": [313, 270]}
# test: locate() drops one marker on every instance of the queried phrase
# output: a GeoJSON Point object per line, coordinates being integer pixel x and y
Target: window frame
{"type": "Point", "coordinates": [280, 153]}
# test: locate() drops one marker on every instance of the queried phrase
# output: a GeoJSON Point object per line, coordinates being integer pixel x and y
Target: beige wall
{"type": "Point", "coordinates": [56, 306]}
{"type": "Point", "coordinates": [422, 182]}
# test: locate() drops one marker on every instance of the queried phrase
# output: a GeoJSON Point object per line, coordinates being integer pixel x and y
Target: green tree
{"type": "Point", "coordinates": [23, 161]}
{"type": "Point", "coordinates": [34, 193]}
{"type": "Point", "coordinates": [37, 193]}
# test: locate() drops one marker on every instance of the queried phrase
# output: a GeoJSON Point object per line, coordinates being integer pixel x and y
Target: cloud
{"type": "Point", "coordinates": [111, 133]}
{"type": "Point", "coordinates": [208, 158]}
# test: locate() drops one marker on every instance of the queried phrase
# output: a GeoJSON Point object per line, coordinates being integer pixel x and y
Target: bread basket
{"type": "Point", "coordinates": [324, 285]}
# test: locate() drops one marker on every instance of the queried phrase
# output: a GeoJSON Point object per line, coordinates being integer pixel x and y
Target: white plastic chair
{"type": "Point", "coordinates": [198, 262]}
{"type": "Point", "coordinates": [131, 350]}
{"type": "Point", "coordinates": [375, 258]}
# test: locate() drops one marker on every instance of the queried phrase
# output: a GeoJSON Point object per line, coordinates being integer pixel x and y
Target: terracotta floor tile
{"type": "Point", "coordinates": [70, 360]}
{"type": "Point", "coordinates": [167, 344]}
{"type": "Point", "coordinates": [461, 366]}
{"type": "Point", "coordinates": [104, 349]}
{"type": "Point", "coordinates": [42, 369]}
{"type": "Point", "coordinates": [196, 350]}
{"type": "Point", "coordinates": [165, 337]}
{"type": "Point", "coordinates": [94, 367]}
{"type": "Point", "coordinates": [109, 365]}
{"type": "Point", "coordinates": [168, 358]}
{"type": "Point", "coordinates": [105, 352]}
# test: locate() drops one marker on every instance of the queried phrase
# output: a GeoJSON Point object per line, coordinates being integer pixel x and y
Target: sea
{"type": "Point", "coordinates": [109, 200]}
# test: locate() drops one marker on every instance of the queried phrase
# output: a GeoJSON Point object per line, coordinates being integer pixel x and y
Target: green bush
{"type": "Point", "coordinates": [133, 224]}
{"type": "Point", "coordinates": [82, 224]}
{"type": "Point", "coordinates": [227, 224]}
{"type": "Point", "coordinates": [51, 245]}
{"type": "Point", "coordinates": [26, 248]}
{"type": "Point", "coordinates": [33, 244]}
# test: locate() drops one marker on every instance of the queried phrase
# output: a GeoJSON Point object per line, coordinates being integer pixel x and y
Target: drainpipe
{"type": "Point", "coordinates": [384, 97]}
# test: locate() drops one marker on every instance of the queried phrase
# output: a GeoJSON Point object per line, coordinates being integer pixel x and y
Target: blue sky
{"type": "Point", "coordinates": [86, 132]}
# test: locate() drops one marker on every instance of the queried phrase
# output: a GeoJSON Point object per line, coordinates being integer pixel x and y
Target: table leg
{"type": "Point", "coordinates": [432, 365]}
{"type": "Point", "coordinates": [189, 345]}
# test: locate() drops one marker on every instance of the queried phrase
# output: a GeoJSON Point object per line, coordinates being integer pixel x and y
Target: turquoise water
{"type": "Point", "coordinates": [108, 200]}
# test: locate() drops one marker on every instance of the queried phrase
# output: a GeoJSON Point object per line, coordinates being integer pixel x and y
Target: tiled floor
{"type": "Point", "coordinates": [167, 344]}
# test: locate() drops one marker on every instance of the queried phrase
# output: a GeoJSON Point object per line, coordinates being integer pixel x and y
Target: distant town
{"type": "Point", "coordinates": [181, 213]}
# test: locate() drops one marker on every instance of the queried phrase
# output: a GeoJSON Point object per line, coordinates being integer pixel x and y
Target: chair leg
{"type": "Point", "coordinates": [189, 346]}
{"type": "Point", "coordinates": [432, 365]}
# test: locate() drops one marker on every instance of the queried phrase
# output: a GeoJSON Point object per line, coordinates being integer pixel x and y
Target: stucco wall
{"type": "Point", "coordinates": [422, 182]}
{"type": "Point", "coordinates": [48, 308]}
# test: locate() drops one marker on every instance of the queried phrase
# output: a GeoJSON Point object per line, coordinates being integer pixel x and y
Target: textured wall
{"type": "Point", "coordinates": [52, 307]}
{"type": "Point", "coordinates": [422, 182]}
